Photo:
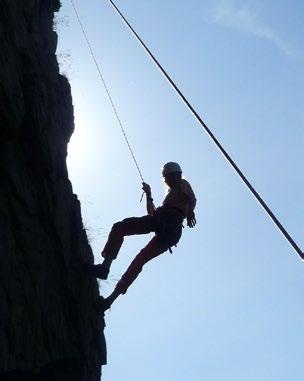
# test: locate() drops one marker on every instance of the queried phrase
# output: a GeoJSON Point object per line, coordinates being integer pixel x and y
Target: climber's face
{"type": "Point", "coordinates": [172, 179]}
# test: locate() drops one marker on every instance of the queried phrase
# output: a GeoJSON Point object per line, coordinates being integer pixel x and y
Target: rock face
{"type": "Point", "coordinates": [50, 328]}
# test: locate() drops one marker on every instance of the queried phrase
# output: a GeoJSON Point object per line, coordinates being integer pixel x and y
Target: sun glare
{"type": "Point", "coordinates": [79, 143]}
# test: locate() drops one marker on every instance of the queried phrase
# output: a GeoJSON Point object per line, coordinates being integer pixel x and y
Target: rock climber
{"type": "Point", "coordinates": [165, 221]}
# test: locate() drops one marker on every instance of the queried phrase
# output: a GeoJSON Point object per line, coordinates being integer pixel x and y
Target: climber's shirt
{"type": "Point", "coordinates": [181, 197]}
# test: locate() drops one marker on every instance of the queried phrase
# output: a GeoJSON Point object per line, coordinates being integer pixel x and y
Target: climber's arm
{"type": "Point", "coordinates": [191, 201]}
{"type": "Point", "coordinates": [191, 220]}
{"type": "Point", "coordinates": [149, 200]}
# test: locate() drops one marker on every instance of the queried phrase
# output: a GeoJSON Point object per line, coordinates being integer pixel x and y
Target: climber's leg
{"type": "Point", "coordinates": [152, 250]}
{"type": "Point", "coordinates": [126, 227]}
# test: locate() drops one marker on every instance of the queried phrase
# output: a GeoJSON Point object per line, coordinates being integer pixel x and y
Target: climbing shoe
{"type": "Point", "coordinates": [98, 271]}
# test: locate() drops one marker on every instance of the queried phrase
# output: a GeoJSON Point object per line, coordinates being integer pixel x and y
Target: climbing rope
{"type": "Point", "coordinates": [107, 91]}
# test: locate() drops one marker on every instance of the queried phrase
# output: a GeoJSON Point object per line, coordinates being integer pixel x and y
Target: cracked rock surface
{"type": "Point", "coordinates": [50, 328]}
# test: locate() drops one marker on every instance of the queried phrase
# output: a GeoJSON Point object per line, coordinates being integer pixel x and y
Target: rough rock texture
{"type": "Point", "coordinates": [50, 328]}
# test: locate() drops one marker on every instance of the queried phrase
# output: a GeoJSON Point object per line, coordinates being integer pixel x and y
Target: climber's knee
{"type": "Point", "coordinates": [117, 229]}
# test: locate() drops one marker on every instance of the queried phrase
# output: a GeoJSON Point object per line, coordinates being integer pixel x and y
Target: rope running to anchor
{"type": "Point", "coordinates": [107, 91]}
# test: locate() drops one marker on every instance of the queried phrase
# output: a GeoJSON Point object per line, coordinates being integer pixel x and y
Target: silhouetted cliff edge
{"type": "Point", "coordinates": [50, 328]}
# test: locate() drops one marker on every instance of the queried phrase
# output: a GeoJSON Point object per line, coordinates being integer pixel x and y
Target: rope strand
{"type": "Point", "coordinates": [212, 136]}
{"type": "Point", "coordinates": [107, 91]}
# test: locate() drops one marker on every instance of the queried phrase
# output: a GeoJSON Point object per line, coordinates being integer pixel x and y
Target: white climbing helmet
{"type": "Point", "coordinates": [170, 168]}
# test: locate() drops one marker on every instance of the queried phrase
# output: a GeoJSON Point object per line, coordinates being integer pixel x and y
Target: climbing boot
{"type": "Point", "coordinates": [98, 271]}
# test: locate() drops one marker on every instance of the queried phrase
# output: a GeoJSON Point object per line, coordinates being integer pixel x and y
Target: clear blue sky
{"type": "Point", "coordinates": [228, 303]}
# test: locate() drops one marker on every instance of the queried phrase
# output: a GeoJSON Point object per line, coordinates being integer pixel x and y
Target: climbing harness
{"type": "Point", "coordinates": [198, 118]}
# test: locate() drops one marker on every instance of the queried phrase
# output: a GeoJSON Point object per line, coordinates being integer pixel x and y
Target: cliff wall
{"type": "Point", "coordinates": [50, 328]}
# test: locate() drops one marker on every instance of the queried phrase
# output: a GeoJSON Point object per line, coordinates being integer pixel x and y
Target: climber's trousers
{"type": "Point", "coordinates": [152, 250]}
{"type": "Point", "coordinates": [126, 227]}
{"type": "Point", "coordinates": [132, 226]}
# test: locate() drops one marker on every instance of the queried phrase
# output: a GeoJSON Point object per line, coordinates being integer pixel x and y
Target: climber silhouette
{"type": "Point", "coordinates": [166, 221]}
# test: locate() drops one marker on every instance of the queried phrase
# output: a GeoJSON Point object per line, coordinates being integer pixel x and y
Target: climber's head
{"type": "Point", "coordinates": [172, 173]}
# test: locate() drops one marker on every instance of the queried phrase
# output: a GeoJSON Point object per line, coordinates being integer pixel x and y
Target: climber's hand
{"type": "Point", "coordinates": [191, 220]}
{"type": "Point", "coordinates": [147, 189]}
